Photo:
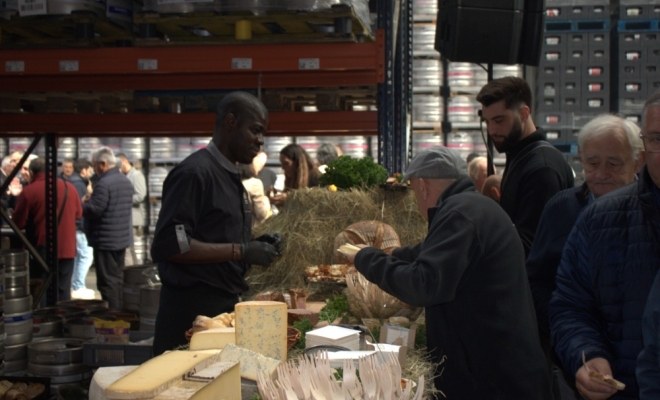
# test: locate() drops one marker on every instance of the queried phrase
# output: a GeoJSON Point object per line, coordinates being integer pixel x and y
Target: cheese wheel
{"type": "Point", "coordinates": [213, 339]}
{"type": "Point", "coordinates": [261, 327]}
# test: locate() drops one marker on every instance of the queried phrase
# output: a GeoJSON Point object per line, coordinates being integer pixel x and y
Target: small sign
{"type": "Point", "coordinates": [31, 7]}
{"type": "Point", "coordinates": [241, 63]}
{"type": "Point", "coordinates": [14, 66]}
{"type": "Point", "coordinates": [309, 63]}
{"type": "Point", "coordinates": [69, 66]}
{"type": "Point", "coordinates": [147, 64]}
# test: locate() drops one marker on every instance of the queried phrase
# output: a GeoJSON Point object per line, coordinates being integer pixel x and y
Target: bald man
{"type": "Point", "coordinates": [492, 187]}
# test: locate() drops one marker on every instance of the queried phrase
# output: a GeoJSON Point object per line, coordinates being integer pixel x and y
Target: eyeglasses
{"type": "Point", "coordinates": [651, 143]}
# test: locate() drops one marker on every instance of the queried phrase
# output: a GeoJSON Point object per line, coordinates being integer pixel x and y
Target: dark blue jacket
{"type": "Point", "coordinates": [81, 187]}
{"type": "Point", "coordinates": [609, 263]}
{"type": "Point", "coordinates": [108, 212]}
{"type": "Point", "coordinates": [557, 220]}
{"type": "Point", "coordinates": [648, 362]}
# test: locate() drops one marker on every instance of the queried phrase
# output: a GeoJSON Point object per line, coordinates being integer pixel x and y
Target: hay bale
{"type": "Point", "coordinates": [312, 218]}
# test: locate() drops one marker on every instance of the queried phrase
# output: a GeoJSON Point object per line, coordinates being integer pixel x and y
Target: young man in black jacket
{"type": "Point", "coordinates": [535, 170]}
{"type": "Point", "coordinates": [469, 274]}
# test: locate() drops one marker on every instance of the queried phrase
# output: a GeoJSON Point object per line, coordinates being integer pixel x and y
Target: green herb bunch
{"type": "Point", "coordinates": [346, 173]}
{"type": "Point", "coordinates": [304, 326]}
{"type": "Point", "coordinates": [334, 308]}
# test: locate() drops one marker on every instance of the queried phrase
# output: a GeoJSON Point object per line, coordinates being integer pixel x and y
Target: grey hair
{"type": "Point", "coordinates": [326, 153]}
{"type": "Point", "coordinates": [607, 124]}
{"type": "Point", "coordinates": [5, 162]}
{"type": "Point", "coordinates": [473, 167]}
{"type": "Point", "coordinates": [654, 100]}
{"type": "Point", "coordinates": [104, 154]}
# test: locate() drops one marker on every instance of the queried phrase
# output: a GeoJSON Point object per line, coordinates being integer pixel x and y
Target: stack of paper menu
{"type": "Point", "coordinates": [333, 336]}
{"type": "Point", "coordinates": [337, 358]}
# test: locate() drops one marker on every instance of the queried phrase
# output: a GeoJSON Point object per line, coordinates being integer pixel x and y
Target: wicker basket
{"type": "Point", "coordinates": [293, 335]}
{"type": "Point", "coordinates": [367, 300]}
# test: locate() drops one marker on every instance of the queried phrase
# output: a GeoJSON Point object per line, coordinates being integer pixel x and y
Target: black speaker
{"type": "Point", "coordinates": [490, 31]}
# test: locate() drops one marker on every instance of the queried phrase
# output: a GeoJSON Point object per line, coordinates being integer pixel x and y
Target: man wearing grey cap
{"type": "Point", "coordinates": [469, 274]}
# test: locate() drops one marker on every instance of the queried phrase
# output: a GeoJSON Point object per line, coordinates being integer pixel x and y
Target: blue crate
{"type": "Point", "coordinates": [648, 25]}
{"type": "Point", "coordinates": [578, 25]}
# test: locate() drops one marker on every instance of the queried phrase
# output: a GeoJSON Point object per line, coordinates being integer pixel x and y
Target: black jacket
{"type": "Point", "coordinates": [81, 187]}
{"type": "Point", "coordinates": [535, 171]}
{"type": "Point", "coordinates": [469, 274]}
{"type": "Point", "coordinates": [108, 212]}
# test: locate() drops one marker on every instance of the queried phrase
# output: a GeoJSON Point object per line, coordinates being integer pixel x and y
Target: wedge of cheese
{"type": "Point", "coordinates": [261, 327]}
{"type": "Point", "coordinates": [251, 362]}
{"type": "Point", "coordinates": [213, 339]}
{"type": "Point", "coordinates": [160, 373]}
{"type": "Point", "coordinates": [225, 383]}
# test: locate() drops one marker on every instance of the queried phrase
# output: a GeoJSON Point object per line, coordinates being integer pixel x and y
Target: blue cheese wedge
{"type": "Point", "coordinates": [251, 362]}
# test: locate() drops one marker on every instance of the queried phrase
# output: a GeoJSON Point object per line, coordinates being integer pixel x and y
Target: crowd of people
{"type": "Point", "coordinates": [532, 286]}
{"type": "Point", "coordinates": [100, 208]}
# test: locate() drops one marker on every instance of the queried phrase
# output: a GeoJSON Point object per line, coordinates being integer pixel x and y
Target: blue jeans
{"type": "Point", "coordinates": [82, 262]}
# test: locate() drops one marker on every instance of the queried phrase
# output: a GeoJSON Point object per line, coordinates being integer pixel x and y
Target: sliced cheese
{"type": "Point", "coordinates": [160, 373]}
{"type": "Point", "coordinates": [213, 339]}
{"type": "Point", "coordinates": [251, 362]}
{"type": "Point", "coordinates": [261, 327]}
{"type": "Point", "coordinates": [226, 383]}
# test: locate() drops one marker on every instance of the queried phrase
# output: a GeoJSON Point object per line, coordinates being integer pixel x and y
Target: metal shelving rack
{"type": "Point", "coordinates": [385, 63]}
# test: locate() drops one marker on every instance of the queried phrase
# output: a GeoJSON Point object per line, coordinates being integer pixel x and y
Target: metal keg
{"type": "Point", "coordinates": [59, 359]}
{"type": "Point", "coordinates": [19, 305]}
{"type": "Point", "coordinates": [424, 37]}
{"type": "Point", "coordinates": [427, 108]}
{"type": "Point", "coordinates": [184, 148]}
{"type": "Point", "coordinates": [68, 148]}
{"type": "Point", "coordinates": [65, 312]}
{"type": "Point", "coordinates": [310, 144]}
{"type": "Point", "coordinates": [121, 13]}
{"type": "Point", "coordinates": [133, 280]}
{"type": "Point", "coordinates": [424, 141]}
{"type": "Point", "coordinates": [154, 211]}
{"type": "Point", "coordinates": [198, 143]}
{"type": "Point", "coordinates": [16, 273]}
{"type": "Point", "coordinates": [46, 326]}
{"type": "Point", "coordinates": [463, 109]}
{"type": "Point", "coordinates": [162, 148]}
{"type": "Point", "coordinates": [179, 8]}
{"type": "Point", "coordinates": [461, 142]}
{"type": "Point", "coordinates": [425, 7]}
{"type": "Point", "coordinates": [149, 302]}
{"type": "Point", "coordinates": [16, 367]}
{"type": "Point", "coordinates": [501, 71]}
{"type": "Point", "coordinates": [79, 328]}
{"type": "Point", "coordinates": [355, 147]}
{"type": "Point", "coordinates": [156, 178]}
{"type": "Point", "coordinates": [461, 74]}
{"type": "Point", "coordinates": [479, 145]}
{"type": "Point", "coordinates": [427, 72]}
{"type": "Point", "coordinates": [480, 75]}
{"type": "Point", "coordinates": [16, 352]}
{"type": "Point", "coordinates": [15, 257]}
{"type": "Point", "coordinates": [65, 7]}
{"type": "Point", "coordinates": [87, 146]}
{"type": "Point", "coordinates": [89, 305]}
{"type": "Point", "coordinates": [22, 144]}
{"type": "Point", "coordinates": [113, 143]}
{"type": "Point", "coordinates": [18, 328]}
{"type": "Point", "coordinates": [135, 148]}
{"type": "Point", "coordinates": [273, 146]}
{"type": "Point", "coordinates": [140, 246]}
{"type": "Point", "coordinates": [3, 147]}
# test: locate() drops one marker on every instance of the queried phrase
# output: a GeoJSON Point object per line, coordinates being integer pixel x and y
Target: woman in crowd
{"type": "Point", "coordinates": [299, 171]}
{"type": "Point", "coordinates": [259, 203]}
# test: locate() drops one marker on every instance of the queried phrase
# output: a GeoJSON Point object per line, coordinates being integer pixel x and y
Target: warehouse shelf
{"type": "Point", "coordinates": [193, 124]}
{"type": "Point", "coordinates": [193, 67]}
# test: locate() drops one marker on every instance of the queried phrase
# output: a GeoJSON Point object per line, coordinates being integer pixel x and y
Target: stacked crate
{"type": "Point", "coordinates": [638, 54]}
{"type": "Point", "coordinates": [573, 81]}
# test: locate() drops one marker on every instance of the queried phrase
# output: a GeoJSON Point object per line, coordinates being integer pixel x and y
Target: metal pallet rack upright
{"type": "Point", "coordinates": [385, 63]}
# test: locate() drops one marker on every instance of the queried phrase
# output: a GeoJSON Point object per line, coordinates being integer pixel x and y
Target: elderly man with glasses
{"type": "Point", "coordinates": [607, 268]}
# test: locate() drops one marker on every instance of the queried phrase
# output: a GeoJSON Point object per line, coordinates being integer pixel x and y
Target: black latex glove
{"type": "Point", "coordinates": [260, 253]}
{"type": "Point", "coordinates": [273, 238]}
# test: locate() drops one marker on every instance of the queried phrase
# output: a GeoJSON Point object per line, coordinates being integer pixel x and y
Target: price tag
{"type": "Point", "coordinates": [147, 64]}
{"type": "Point", "coordinates": [69, 66]}
{"type": "Point", "coordinates": [31, 7]}
{"type": "Point", "coordinates": [309, 63]}
{"type": "Point", "coordinates": [14, 66]}
{"type": "Point", "coordinates": [241, 63]}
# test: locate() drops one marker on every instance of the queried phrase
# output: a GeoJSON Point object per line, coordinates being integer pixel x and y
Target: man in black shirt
{"type": "Point", "coordinates": [203, 242]}
{"type": "Point", "coordinates": [535, 170]}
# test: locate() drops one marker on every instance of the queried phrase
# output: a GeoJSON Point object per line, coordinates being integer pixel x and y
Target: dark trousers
{"type": "Point", "coordinates": [64, 276]}
{"type": "Point", "coordinates": [180, 306]}
{"type": "Point", "coordinates": [110, 275]}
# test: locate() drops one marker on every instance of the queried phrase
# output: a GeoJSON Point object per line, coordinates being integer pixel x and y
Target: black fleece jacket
{"type": "Point", "coordinates": [469, 274]}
